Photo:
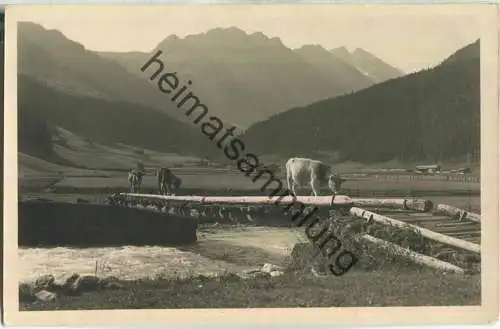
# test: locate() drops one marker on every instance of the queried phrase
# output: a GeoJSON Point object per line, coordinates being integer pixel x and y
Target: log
{"type": "Point", "coordinates": [425, 232]}
{"type": "Point", "coordinates": [457, 212]}
{"type": "Point", "coordinates": [424, 219]}
{"type": "Point", "coordinates": [420, 205]}
{"type": "Point", "coordinates": [413, 256]}
{"type": "Point", "coordinates": [339, 201]}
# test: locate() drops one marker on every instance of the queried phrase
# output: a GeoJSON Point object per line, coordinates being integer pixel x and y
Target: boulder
{"type": "Point", "coordinates": [66, 283]}
{"type": "Point", "coordinates": [276, 273]}
{"type": "Point", "coordinates": [114, 286]}
{"type": "Point", "coordinates": [86, 283]}
{"type": "Point", "coordinates": [305, 255]}
{"type": "Point", "coordinates": [45, 296]}
{"type": "Point", "coordinates": [268, 268]}
{"type": "Point", "coordinates": [252, 270]}
{"type": "Point", "coordinates": [111, 283]}
{"type": "Point", "coordinates": [44, 282]}
{"type": "Point", "coordinates": [253, 275]}
{"type": "Point", "coordinates": [318, 273]}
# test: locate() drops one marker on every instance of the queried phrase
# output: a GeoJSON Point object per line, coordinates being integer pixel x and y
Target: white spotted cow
{"type": "Point", "coordinates": [166, 179]}
{"type": "Point", "coordinates": [303, 172]}
{"type": "Point", "coordinates": [135, 180]}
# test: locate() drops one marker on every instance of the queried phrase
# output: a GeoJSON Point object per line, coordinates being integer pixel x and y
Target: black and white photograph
{"type": "Point", "coordinates": [270, 160]}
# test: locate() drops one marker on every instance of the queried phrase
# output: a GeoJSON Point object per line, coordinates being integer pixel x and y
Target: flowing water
{"type": "Point", "coordinates": [215, 252]}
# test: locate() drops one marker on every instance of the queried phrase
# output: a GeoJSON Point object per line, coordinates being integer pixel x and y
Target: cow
{"type": "Point", "coordinates": [166, 179]}
{"type": "Point", "coordinates": [303, 171]}
{"type": "Point", "coordinates": [135, 180]}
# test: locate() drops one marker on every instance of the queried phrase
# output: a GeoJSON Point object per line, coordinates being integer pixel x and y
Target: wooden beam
{"type": "Point", "coordinates": [411, 255]}
{"type": "Point", "coordinates": [425, 232]}
{"type": "Point", "coordinates": [337, 201]}
{"type": "Point", "coordinates": [420, 205]}
{"type": "Point", "coordinates": [457, 212]}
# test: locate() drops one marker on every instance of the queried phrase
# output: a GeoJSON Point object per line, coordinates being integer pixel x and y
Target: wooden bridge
{"type": "Point", "coordinates": [455, 229]}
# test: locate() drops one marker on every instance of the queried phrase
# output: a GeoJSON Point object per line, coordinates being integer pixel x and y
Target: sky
{"type": "Point", "coordinates": [409, 37]}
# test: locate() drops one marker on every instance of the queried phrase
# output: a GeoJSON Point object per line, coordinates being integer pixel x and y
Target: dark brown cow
{"type": "Point", "coordinates": [166, 179]}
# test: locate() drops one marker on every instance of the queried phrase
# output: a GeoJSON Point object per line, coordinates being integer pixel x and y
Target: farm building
{"type": "Point", "coordinates": [463, 170]}
{"type": "Point", "coordinates": [428, 169]}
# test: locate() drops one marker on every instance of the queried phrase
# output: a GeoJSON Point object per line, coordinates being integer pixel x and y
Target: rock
{"type": "Point", "coordinates": [254, 275]}
{"type": "Point", "coordinates": [110, 283]}
{"type": "Point", "coordinates": [318, 274]}
{"type": "Point", "coordinates": [66, 279]}
{"type": "Point", "coordinates": [26, 293]}
{"type": "Point", "coordinates": [45, 296]}
{"type": "Point", "coordinates": [252, 270]}
{"type": "Point", "coordinates": [86, 283]}
{"type": "Point", "coordinates": [268, 268]}
{"type": "Point", "coordinates": [276, 273]}
{"type": "Point", "coordinates": [114, 286]}
{"type": "Point", "coordinates": [65, 283]}
{"type": "Point", "coordinates": [305, 255]}
{"type": "Point", "coordinates": [45, 282]}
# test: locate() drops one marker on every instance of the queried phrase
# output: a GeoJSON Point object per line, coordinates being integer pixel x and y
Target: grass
{"type": "Point", "coordinates": [208, 181]}
{"type": "Point", "coordinates": [387, 287]}
{"type": "Point", "coordinates": [217, 179]}
{"type": "Point", "coordinates": [106, 160]}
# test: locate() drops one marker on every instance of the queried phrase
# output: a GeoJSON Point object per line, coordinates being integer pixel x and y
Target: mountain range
{"type": "Point", "coordinates": [368, 64]}
{"type": "Point", "coordinates": [42, 109]}
{"type": "Point", "coordinates": [245, 78]}
{"type": "Point", "coordinates": [350, 104]}
{"type": "Point", "coordinates": [431, 115]}
{"type": "Point", "coordinates": [242, 78]}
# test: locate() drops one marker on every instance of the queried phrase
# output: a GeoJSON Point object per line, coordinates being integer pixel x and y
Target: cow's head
{"type": "Point", "coordinates": [335, 182]}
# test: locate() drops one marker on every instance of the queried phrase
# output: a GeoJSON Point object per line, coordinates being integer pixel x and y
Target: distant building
{"type": "Point", "coordinates": [464, 170]}
{"type": "Point", "coordinates": [428, 169]}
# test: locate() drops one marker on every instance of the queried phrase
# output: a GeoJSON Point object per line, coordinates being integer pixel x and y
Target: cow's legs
{"type": "Point", "coordinates": [160, 190]}
{"type": "Point", "coordinates": [291, 184]}
{"type": "Point", "coordinates": [169, 188]}
{"type": "Point", "coordinates": [315, 186]}
{"type": "Point", "coordinates": [294, 185]}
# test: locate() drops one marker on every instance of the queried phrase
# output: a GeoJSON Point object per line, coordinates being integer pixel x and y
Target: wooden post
{"type": "Point", "coordinates": [413, 256]}
{"type": "Point", "coordinates": [425, 232]}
